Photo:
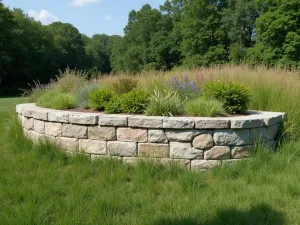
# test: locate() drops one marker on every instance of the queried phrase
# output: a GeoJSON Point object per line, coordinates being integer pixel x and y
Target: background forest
{"type": "Point", "coordinates": [180, 34]}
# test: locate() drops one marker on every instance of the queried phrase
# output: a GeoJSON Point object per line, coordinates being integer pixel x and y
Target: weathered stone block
{"type": "Point", "coordinates": [48, 138]}
{"type": "Point", "coordinates": [217, 152]}
{"type": "Point", "coordinates": [211, 123]}
{"type": "Point", "coordinates": [102, 133]}
{"type": "Point", "coordinates": [203, 141]}
{"type": "Point", "coordinates": [31, 110]}
{"type": "Point", "coordinates": [84, 118]}
{"type": "Point", "coordinates": [116, 148]}
{"type": "Point", "coordinates": [157, 136]}
{"type": "Point", "coordinates": [231, 137]}
{"type": "Point", "coordinates": [146, 121]}
{"type": "Point", "coordinates": [204, 165]}
{"type": "Point", "coordinates": [153, 150]}
{"type": "Point", "coordinates": [39, 126]}
{"type": "Point", "coordinates": [93, 146]}
{"type": "Point", "coordinates": [132, 134]}
{"type": "Point", "coordinates": [184, 151]}
{"type": "Point", "coordinates": [246, 122]}
{"type": "Point", "coordinates": [28, 123]}
{"type": "Point", "coordinates": [53, 129]}
{"type": "Point", "coordinates": [70, 144]}
{"type": "Point", "coordinates": [99, 157]}
{"type": "Point", "coordinates": [182, 135]}
{"type": "Point", "coordinates": [74, 131]}
{"type": "Point", "coordinates": [272, 119]}
{"type": "Point", "coordinates": [58, 116]}
{"type": "Point", "coordinates": [242, 151]}
{"type": "Point", "coordinates": [114, 120]}
{"type": "Point", "coordinates": [178, 123]}
{"type": "Point", "coordinates": [258, 135]}
{"type": "Point", "coordinates": [273, 131]}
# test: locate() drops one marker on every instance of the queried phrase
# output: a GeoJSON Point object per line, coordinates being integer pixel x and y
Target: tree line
{"type": "Point", "coordinates": [181, 33]}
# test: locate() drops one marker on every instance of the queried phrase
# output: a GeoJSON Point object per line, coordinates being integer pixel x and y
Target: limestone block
{"type": "Point", "coordinates": [53, 129]}
{"type": "Point", "coordinates": [217, 152]}
{"type": "Point", "coordinates": [116, 148]}
{"type": "Point", "coordinates": [132, 134]}
{"type": "Point", "coordinates": [93, 146]}
{"type": "Point", "coordinates": [157, 136]}
{"type": "Point", "coordinates": [204, 165]}
{"type": "Point", "coordinates": [74, 131]}
{"type": "Point", "coordinates": [184, 151]}
{"type": "Point", "coordinates": [246, 122]}
{"type": "Point", "coordinates": [153, 150]}
{"type": "Point", "coordinates": [242, 152]}
{"type": "Point", "coordinates": [273, 131]}
{"type": "Point", "coordinates": [47, 138]}
{"type": "Point", "coordinates": [203, 141]}
{"type": "Point", "coordinates": [258, 135]}
{"type": "Point", "coordinates": [31, 110]}
{"type": "Point", "coordinates": [178, 123]}
{"type": "Point", "coordinates": [102, 133]}
{"type": "Point", "coordinates": [28, 123]}
{"type": "Point", "coordinates": [146, 121]}
{"type": "Point", "coordinates": [70, 144]}
{"type": "Point", "coordinates": [231, 137]}
{"type": "Point", "coordinates": [211, 123]}
{"type": "Point", "coordinates": [101, 157]}
{"type": "Point", "coordinates": [272, 119]}
{"type": "Point", "coordinates": [114, 120]}
{"type": "Point", "coordinates": [39, 126]}
{"type": "Point", "coordinates": [58, 116]}
{"type": "Point", "coordinates": [182, 135]}
{"type": "Point", "coordinates": [84, 118]}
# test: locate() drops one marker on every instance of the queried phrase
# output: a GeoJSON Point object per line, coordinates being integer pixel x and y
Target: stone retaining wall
{"type": "Point", "coordinates": [196, 143]}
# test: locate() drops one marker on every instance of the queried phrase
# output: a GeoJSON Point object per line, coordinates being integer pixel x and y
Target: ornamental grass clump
{"type": "Point", "coordinates": [124, 85]}
{"type": "Point", "coordinates": [236, 97]}
{"type": "Point", "coordinates": [56, 100]}
{"type": "Point", "coordinates": [83, 95]}
{"type": "Point", "coordinates": [204, 107]}
{"type": "Point", "coordinates": [165, 103]}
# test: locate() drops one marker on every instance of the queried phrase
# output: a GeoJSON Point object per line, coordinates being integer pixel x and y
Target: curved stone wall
{"type": "Point", "coordinates": [197, 143]}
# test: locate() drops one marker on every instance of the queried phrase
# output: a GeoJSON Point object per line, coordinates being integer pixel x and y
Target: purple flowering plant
{"type": "Point", "coordinates": [186, 88]}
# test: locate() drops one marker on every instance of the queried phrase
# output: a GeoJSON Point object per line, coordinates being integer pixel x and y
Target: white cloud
{"type": "Point", "coordinates": [108, 18]}
{"type": "Point", "coordinates": [44, 16]}
{"type": "Point", "coordinates": [84, 2]}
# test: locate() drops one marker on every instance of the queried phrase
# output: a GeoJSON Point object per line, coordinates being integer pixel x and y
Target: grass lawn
{"type": "Point", "coordinates": [41, 185]}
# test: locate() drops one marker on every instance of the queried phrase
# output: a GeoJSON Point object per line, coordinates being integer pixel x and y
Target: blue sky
{"type": "Point", "coordinates": [89, 16]}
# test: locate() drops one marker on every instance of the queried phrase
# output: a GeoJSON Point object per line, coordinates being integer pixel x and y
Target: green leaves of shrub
{"type": "Point", "coordinates": [56, 100]}
{"type": "Point", "coordinates": [99, 98]}
{"type": "Point", "coordinates": [165, 103]}
{"type": "Point", "coordinates": [236, 97]}
{"type": "Point", "coordinates": [124, 85]}
{"type": "Point", "coordinates": [135, 101]}
{"type": "Point", "coordinates": [204, 107]}
{"type": "Point", "coordinates": [83, 95]}
{"type": "Point", "coordinates": [114, 106]}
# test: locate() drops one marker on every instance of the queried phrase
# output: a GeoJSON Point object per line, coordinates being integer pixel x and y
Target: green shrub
{"type": "Point", "coordinates": [165, 103]}
{"type": "Point", "coordinates": [56, 100]}
{"type": "Point", "coordinates": [135, 101]}
{"type": "Point", "coordinates": [204, 107]}
{"type": "Point", "coordinates": [69, 81]}
{"type": "Point", "coordinates": [236, 97]}
{"type": "Point", "coordinates": [99, 98]}
{"type": "Point", "coordinates": [83, 95]}
{"type": "Point", "coordinates": [114, 106]}
{"type": "Point", "coordinates": [124, 85]}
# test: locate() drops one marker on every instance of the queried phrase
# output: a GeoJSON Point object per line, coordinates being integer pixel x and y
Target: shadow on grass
{"type": "Point", "coordinates": [258, 215]}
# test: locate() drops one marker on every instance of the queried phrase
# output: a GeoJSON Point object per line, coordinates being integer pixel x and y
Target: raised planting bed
{"type": "Point", "coordinates": [197, 143]}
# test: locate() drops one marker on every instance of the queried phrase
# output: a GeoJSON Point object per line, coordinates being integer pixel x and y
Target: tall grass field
{"type": "Point", "coordinates": [41, 185]}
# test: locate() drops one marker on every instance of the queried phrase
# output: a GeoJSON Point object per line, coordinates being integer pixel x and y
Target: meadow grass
{"type": "Point", "coordinates": [41, 185]}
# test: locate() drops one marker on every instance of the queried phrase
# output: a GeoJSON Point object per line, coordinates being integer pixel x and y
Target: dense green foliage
{"type": "Point", "coordinates": [56, 100]}
{"type": "Point", "coordinates": [204, 107]}
{"type": "Point", "coordinates": [235, 97]}
{"type": "Point", "coordinates": [135, 101]}
{"type": "Point", "coordinates": [165, 103]}
{"type": "Point", "coordinates": [114, 106]}
{"type": "Point", "coordinates": [99, 98]}
{"type": "Point", "coordinates": [180, 33]}
{"type": "Point", "coordinates": [124, 85]}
